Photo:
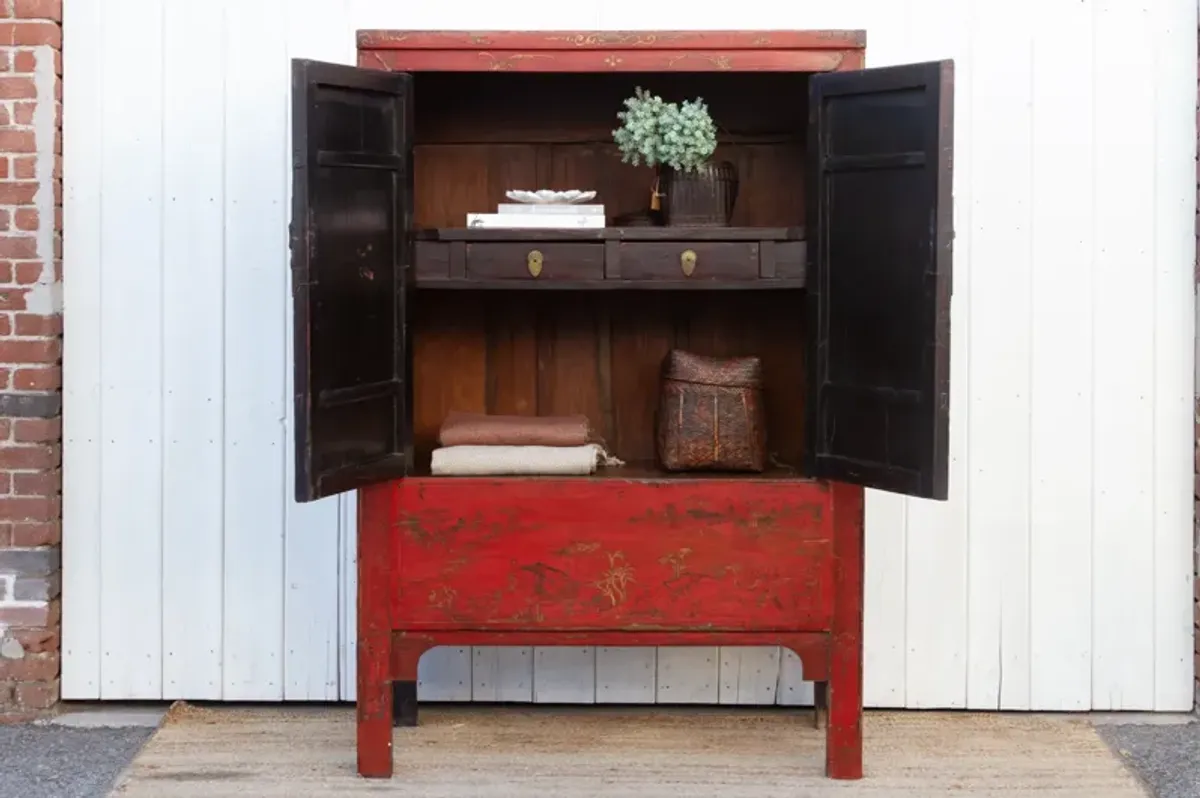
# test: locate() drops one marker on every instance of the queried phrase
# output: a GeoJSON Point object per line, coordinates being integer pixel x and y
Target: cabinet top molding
{"type": "Point", "coordinates": [613, 40]}
{"type": "Point", "coordinates": [612, 51]}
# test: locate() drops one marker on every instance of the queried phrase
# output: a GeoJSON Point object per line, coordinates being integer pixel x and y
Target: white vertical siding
{"type": "Point", "coordinates": [1123, 364]}
{"type": "Point", "coordinates": [255, 135]}
{"type": "Point", "coordinates": [131, 404]}
{"type": "Point", "coordinates": [83, 438]}
{"type": "Point", "coordinates": [999, 314]}
{"type": "Point", "coordinates": [1174, 43]}
{"type": "Point", "coordinates": [1056, 577]}
{"type": "Point", "coordinates": [193, 377]}
{"type": "Point", "coordinates": [1061, 426]}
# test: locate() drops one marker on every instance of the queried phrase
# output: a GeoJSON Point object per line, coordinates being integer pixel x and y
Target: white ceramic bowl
{"type": "Point", "coordinates": [548, 197]}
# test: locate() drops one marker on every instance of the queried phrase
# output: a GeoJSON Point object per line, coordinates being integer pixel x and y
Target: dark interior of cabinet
{"type": "Point", "coordinates": [597, 353]}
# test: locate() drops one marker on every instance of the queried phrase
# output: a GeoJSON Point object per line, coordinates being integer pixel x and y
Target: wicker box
{"type": "Point", "coordinates": [710, 414]}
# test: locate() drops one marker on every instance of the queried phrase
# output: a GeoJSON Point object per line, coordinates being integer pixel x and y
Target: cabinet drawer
{"type": "Point", "coordinates": [550, 261]}
{"type": "Point", "coordinates": [433, 260]}
{"type": "Point", "coordinates": [667, 261]}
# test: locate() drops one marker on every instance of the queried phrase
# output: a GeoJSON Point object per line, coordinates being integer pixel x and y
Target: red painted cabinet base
{"type": "Point", "coordinates": [611, 562]}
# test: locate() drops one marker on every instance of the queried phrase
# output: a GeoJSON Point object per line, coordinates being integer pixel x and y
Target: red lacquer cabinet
{"type": "Point", "coordinates": [835, 272]}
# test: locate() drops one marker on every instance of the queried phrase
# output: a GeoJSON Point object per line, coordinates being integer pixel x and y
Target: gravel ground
{"type": "Point", "coordinates": [1166, 757]}
{"type": "Point", "coordinates": [50, 761]}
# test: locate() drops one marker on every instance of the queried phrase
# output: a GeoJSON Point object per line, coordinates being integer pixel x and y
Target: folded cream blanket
{"type": "Point", "coordinates": [464, 461]}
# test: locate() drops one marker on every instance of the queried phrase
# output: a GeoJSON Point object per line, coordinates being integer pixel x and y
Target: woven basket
{"type": "Point", "coordinates": [710, 414]}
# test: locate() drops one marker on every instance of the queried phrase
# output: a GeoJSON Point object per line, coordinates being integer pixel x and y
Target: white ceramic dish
{"type": "Point", "coordinates": [548, 197]}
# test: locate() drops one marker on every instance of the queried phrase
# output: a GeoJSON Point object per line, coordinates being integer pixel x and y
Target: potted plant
{"type": "Point", "coordinates": [678, 140]}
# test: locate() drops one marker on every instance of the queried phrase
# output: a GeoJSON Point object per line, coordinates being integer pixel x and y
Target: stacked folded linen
{"type": "Point", "coordinates": [520, 460]}
{"type": "Point", "coordinates": [476, 444]}
{"type": "Point", "coordinates": [481, 429]}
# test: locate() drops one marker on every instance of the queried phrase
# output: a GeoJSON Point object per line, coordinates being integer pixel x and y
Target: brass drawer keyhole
{"type": "Point", "coordinates": [687, 262]}
{"type": "Point", "coordinates": [534, 262]}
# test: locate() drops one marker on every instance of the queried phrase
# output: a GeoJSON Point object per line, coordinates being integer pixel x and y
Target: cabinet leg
{"type": "Point", "coordinates": [820, 705]}
{"type": "Point", "coordinates": [843, 734]}
{"type": "Point", "coordinates": [374, 707]}
{"type": "Point", "coordinates": [375, 513]}
{"type": "Point", "coordinates": [843, 737]}
{"type": "Point", "coordinates": [404, 703]}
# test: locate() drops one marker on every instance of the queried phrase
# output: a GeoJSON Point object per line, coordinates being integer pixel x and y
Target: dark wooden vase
{"type": "Point", "coordinates": [701, 198]}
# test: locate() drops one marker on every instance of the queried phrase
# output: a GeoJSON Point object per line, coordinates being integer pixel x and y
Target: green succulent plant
{"type": "Point", "coordinates": [657, 133]}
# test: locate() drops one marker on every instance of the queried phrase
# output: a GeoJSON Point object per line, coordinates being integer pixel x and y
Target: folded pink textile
{"type": "Point", "coordinates": [481, 429]}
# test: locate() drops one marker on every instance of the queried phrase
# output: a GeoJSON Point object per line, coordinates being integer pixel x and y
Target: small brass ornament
{"type": "Point", "coordinates": [534, 261]}
{"type": "Point", "coordinates": [687, 262]}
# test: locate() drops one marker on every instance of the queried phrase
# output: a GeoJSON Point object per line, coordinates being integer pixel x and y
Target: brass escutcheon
{"type": "Point", "coordinates": [687, 262]}
{"type": "Point", "coordinates": [534, 261]}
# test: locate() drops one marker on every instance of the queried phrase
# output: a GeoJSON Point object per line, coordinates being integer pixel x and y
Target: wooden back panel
{"type": "Point", "coordinates": [546, 353]}
{"type": "Point", "coordinates": [479, 134]}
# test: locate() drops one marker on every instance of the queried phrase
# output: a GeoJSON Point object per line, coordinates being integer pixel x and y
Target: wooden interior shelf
{"type": "Point", "coordinates": [641, 472]}
{"type": "Point", "coordinates": [612, 257]}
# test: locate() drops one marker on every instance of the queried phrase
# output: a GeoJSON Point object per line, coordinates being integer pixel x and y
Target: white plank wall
{"type": "Point", "coordinates": [1058, 576]}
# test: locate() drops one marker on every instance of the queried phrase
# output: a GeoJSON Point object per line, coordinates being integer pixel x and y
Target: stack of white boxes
{"type": "Point", "coordinates": [533, 216]}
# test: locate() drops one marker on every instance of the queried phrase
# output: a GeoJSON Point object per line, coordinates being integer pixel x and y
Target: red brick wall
{"type": "Point", "coordinates": [30, 353]}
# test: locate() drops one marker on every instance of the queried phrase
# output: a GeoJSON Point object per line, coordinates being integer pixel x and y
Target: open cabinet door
{"type": "Point", "coordinates": [879, 277]}
{"type": "Point", "coordinates": [351, 254]}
